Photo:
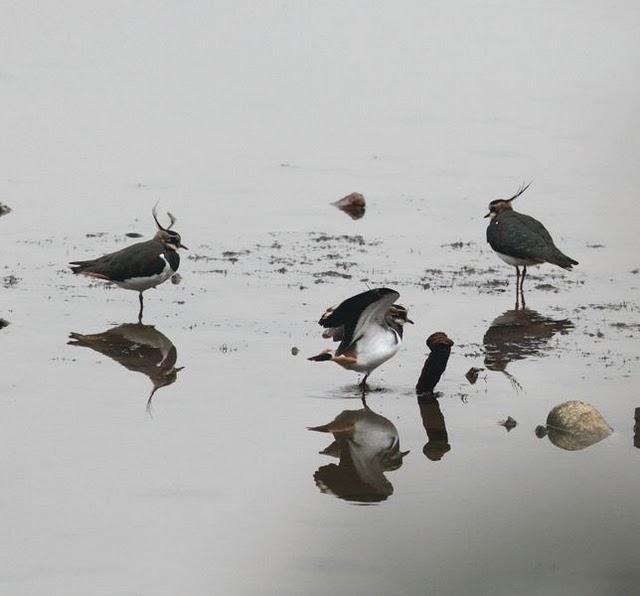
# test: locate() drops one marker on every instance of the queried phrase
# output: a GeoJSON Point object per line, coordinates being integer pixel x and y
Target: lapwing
{"type": "Point", "coordinates": [521, 241]}
{"type": "Point", "coordinates": [140, 266]}
{"type": "Point", "coordinates": [367, 445]}
{"type": "Point", "coordinates": [137, 347]}
{"type": "Point", "coordinates": [369, 328]}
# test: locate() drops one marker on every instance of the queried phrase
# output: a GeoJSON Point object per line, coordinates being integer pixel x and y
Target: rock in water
{"type": "Point", "coordinates": [4, 209]}
{"type": "Point", "coordinates": [472, 374]}
{"type": "Point", "coordinates": [353, 205]}
{"type": "Point", "coordinates": [575, 425]}
{"type": "Point", "coordinates": [510, 423]}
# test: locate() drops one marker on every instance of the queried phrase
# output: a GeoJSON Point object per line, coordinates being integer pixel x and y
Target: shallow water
{"type": "Point", "coordinates": [246, 121]}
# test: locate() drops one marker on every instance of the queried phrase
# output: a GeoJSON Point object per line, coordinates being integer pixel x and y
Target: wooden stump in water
{"type": "Point", "coordinates": [436, 363]}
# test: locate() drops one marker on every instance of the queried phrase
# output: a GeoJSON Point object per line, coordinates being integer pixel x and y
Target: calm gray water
{"type": "Point", "coordinates": [246, 120]}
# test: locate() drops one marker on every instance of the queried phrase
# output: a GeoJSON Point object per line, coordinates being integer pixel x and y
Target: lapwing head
{"type": "Point", "coordinates": [399, 314]}
{"type": "Point", "coordinates": [169, 238]}
{"type": "Point", "coordinates": [501, 205]}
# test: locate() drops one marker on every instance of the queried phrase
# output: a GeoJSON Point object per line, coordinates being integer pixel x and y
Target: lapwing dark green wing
{"type": "Point", "coordinates": [369, 328]}
{"type": "Point", "coordinates": [521, 241]}
{"type": "Point", "coordinates": [140, 266]}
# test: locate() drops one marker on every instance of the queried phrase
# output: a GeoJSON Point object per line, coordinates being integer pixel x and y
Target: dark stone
{"type": "Point", "coordinates": [541, 431]}
{"type": "Point", "coordinates": [509, 423]}
{"type": "Point", "coordinates": [472, 374]}
{"type": "Point", "coordinates": [353, 205]}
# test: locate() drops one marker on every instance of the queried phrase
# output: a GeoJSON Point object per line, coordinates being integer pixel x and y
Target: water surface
{"type": "Point", "coordinates": [246, 120]}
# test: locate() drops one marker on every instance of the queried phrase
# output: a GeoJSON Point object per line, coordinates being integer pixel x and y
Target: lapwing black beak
{"type": "Point", "coordinates": [182, 246]}
{"type": "Point", "coordinates": [488, 214]}
{"type": "Point", "coordinates": [409, 321]}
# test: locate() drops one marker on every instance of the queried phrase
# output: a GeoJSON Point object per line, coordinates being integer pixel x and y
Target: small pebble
{"type": "Point", "coordinates": [472, 374]}
{"type": "Point", "coordinates": [509, 423]}
{"type": "Point", "coordinates": [295, 351]}
{"type": "Point", "coordinates": [353, 205]}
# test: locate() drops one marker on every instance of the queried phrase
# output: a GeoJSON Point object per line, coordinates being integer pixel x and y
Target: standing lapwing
{"type": "Point", "coordinates": [369, 329]}
{"type": "Point", "coordinates": [140, 266]}
{"type": "Point", "coordinates": [520, 240]}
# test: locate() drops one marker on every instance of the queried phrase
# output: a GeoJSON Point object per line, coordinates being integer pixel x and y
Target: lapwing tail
{"type": "Point", "coordinates": [322, 357]}
{"type": "Point", "coordinates": [84, 267]}
{"type": "Point", "coordinates": [80, 266]}
{"type": "Point", "coordinates": [82, 339]}
{"type": "Point", "coordinates": [75, 339]}
{"type": "Point", "coordinates": [337, 426]}
{"type": "Point", "coordinates": [323, 428]}
{"type": "Point", "coordinates": [562, 260]}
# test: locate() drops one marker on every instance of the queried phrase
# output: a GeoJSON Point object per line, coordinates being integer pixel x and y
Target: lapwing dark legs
{"type": "Point", "coordinates": [141, 308]}
{"type": "Point", "coordinates": [520, 286]}
{"type": "Point", "coordinates": [363, 383]}
{"type": "Point", "coordinates": [364, 388]}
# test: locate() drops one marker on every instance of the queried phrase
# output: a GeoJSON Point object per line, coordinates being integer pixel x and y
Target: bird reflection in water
{"type": "Point", "coordinates": [367, 445]}
{"type": "Point", "coordinates": [518, 334]}
{"type": "Point", "coordinates": [140, 348]}
{"type": "Point", "coordinates": [574, 425]}
{"type": "Point", "coordinates": [432, 417]}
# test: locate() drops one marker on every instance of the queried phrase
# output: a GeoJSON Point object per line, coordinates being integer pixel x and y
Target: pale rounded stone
{"type": "Point", "coordinates": [574, 425]}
